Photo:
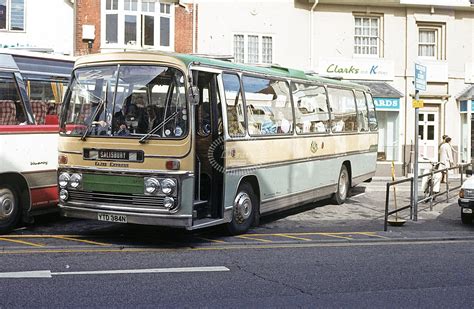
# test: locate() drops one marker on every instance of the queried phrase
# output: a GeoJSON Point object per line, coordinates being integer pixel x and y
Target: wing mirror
{"type": "Point", "coordinates": [193, 95]}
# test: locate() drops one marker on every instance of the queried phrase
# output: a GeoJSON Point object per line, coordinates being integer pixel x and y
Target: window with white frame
{"type": "Point", "coordinates": [367, 35]}
{"type": "Point", "coordinates": [253, 48]}
{"type": "Point", "coordinates": [12, 15]}
{"type": "Point", "coordinates": [140, 23]}
{"type": "Point", "coordinates": [431, 41]}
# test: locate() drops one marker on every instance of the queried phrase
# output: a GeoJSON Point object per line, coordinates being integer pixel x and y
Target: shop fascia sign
{"type": "Point", "coordinates": [353, 68]}
{"type": "Point", "coordinates": [387, 104]}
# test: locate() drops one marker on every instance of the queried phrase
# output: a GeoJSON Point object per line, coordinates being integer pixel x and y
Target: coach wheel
{"type": "Point", "coordinates": [466, 218]}
{"type": "Point", "coordinates": [244, 211]}
{"type": "Point", "coordinates": [343, 186]}
{"type": "Point", "coordinates": [9, 208]}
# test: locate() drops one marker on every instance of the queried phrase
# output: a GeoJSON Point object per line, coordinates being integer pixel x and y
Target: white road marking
{"type": "Point", "coordinates": [49, 274]}
{"type": "Point", "coordinates": [27, 274]}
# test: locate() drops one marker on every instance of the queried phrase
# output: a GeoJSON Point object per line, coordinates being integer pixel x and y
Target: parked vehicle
{"type": "Point", "coordinates": [466, 200]}
{"type": "Point", "coordinates": [32, 86]}
{"type": "Point", "coordinates": [223, 143]}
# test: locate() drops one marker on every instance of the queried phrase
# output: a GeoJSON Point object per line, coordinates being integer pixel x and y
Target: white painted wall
{"type": "Point", "coordinates": [48, 24]}
{"type": "Point", "coordinates": [283, 19]}
{"type": "Point", "coordinates": [333, 36]}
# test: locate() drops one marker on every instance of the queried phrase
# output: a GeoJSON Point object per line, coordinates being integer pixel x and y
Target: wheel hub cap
{"type": "Point", "coordinates": [6, 205]}
{"type": "Point", "coordinates": [242, 207]}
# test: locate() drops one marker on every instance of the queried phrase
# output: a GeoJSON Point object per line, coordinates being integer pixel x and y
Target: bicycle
{"type": "Point", "coordinates": [431, 183]}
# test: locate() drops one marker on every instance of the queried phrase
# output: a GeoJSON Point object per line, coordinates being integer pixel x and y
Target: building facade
{"type": "Point", "coordinates": [37, 25]}
{"type": "Point", "coordinates": [112, 25]}
{"type": "Point", "coordinates": [376, 43]}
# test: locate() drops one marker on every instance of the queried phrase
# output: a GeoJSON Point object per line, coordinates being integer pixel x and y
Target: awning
{"type": "Point", "coordinates": [380, 89]}
{"type": "Point", "coordinates": [468, 94]}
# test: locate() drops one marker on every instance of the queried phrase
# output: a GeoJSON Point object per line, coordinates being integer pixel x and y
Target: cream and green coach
{"type": "Point", "coordinates": [185, 141]}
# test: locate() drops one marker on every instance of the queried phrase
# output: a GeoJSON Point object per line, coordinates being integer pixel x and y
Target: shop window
{"type": "Point", "coordinates": [388, 142]}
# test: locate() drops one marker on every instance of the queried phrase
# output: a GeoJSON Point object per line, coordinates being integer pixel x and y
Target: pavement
{"type": "Point", "coordinates": [364, 211]}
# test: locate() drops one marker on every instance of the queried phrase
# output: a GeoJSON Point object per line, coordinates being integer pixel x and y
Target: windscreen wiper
{"type": "Point", "coordinates": [96, 112]}
{"type": "Point", "coordinates": [153, 131]}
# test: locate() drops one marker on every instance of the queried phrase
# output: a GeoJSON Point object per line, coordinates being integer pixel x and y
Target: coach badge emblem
{"type": "Point", "coordinates": [314, 147]}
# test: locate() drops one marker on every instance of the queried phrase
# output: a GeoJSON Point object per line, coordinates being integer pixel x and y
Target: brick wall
{"type": "Point", "coordinates": [184, 29]}
{"type": "Point", "coordinates": [87, 13]}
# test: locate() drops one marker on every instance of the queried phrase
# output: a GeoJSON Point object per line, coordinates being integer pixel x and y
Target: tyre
{"type": "Point", "coordinates": [466, 218]}
{"type": "Point", "coordinates": [10, 211]}
{"type": "Point", "coordinates": [343, 186]}
{"type": "Point", "coordinates": [245, 210]}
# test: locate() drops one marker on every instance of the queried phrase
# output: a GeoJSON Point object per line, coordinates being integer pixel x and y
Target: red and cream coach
{"type": "Point", "coordinates": [31, 91]}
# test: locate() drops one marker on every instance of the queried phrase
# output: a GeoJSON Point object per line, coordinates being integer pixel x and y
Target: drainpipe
{"type": "Point", "coordinates": [194, 26]}
{"type": "Point", "coordinates": [311, 62]}
{"type": "Point", "coordinates": [406, 168]}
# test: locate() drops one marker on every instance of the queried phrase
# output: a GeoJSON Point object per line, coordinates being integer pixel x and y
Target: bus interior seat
{"type": "Point", "coordinates": [7, 112]}
{"type": "Point", "coordinates": [39, 110]}
{"type": "Point", "coordinates": [235, 127]}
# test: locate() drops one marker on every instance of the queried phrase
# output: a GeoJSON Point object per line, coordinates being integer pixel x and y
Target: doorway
{"type": "Point", "coordinates": [209, 148]}
{"type": "Point", "coordinates": [428, 127]}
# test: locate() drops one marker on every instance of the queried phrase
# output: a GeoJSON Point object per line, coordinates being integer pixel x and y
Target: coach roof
{"type": "Point", "coordinates": [185, 60]}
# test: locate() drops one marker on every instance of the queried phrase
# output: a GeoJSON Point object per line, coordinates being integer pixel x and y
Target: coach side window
{"type": "Point", "coordinates": [46, 97]}
{"type": "Point", "coordinates": [343, 110]}
{"type": "Point", "coordinates": [372, 115]}
{"type": "Point", "coordinates": [234, 105]}
{"type": "Point", "coordinates": [362, 112]}
{"type": "Point", "coordinates": [11, 107]}
{"type": "Point", "coordinates": [311, 109]}
{"type": "Point", "coordinates": [269, 109]}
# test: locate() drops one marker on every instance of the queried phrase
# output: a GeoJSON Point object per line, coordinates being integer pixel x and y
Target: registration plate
{"type": "Point", "coordinates": [112, 218]}
{"type": "Point", "coordinates": [467, 210]}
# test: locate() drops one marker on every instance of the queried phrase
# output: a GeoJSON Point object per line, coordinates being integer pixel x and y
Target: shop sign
{"type": "Point", "coordinates": [420, 77]}
{"type": "Point", "coordinates": [368, 69]}
{"type": "Point", "coordinates": [418, 103]}
{"type": "Point", "coordinates": [391, 104]}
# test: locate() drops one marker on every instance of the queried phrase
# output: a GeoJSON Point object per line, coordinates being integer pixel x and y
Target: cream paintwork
{"type": "Point", "coordinates": [264, 151]}
{"type": "Point", "coordinates": [163, 59]}
{"type": "Point", "coordinates": [166, 149]}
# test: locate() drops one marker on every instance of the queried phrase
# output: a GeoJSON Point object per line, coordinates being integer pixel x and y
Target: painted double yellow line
{"type": "Point", "coordinates": [20, 239]}
{"type": "Point", "coordinates": [30, 240]}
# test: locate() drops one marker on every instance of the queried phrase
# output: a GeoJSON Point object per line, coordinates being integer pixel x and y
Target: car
{"type": "Point", "coordinates": [466, 200]}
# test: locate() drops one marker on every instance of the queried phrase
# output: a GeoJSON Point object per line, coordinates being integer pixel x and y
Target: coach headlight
{"type": "Point", "coordinates": [63, 180]}
{"type": "Point", "coordinates": [152, 185]}
{"type": "Point", "coordinates": [63, 195]}
{"type": "Point", "coordinates": [168, 202]}
{"type": "Point", "coordinates": [75, 181]}
{"type": "Point", "coordinates": [168, 186]}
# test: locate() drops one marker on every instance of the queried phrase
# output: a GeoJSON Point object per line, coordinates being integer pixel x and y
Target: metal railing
{"type": "Point", "coordinates": [430, 197]}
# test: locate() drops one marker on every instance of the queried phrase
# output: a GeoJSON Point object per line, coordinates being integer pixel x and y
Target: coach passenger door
{"type": "Point", "coordinates": [209, 148]}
